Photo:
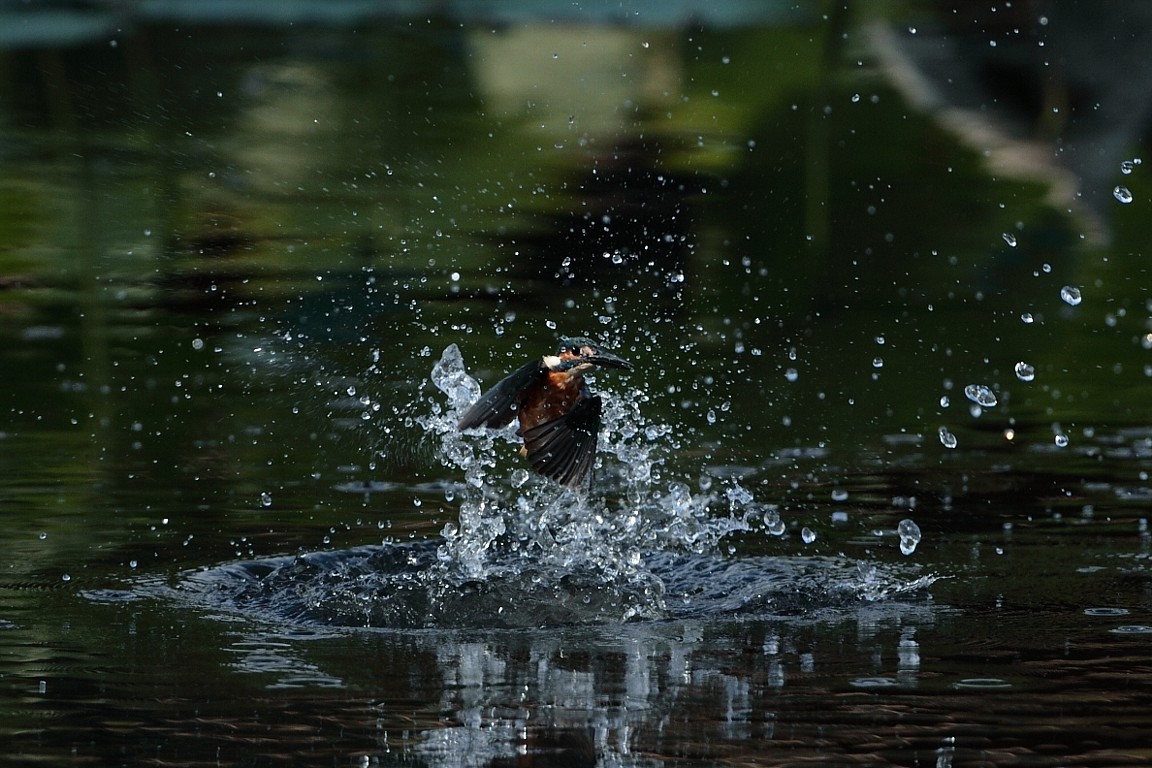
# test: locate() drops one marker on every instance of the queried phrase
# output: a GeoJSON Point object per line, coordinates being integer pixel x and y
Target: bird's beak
{"type": "Point", "coordinates": [609, 360]}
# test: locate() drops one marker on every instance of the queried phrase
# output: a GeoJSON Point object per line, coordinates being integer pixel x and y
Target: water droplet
{"type": "Point", "coordinates": [855, 98]}
{"type": "Point", "coordinates": [43, 535]}
{"type": "Point", "coordinates": [519, 477]}
{"type": "Point", "coordinates": [1071, 295]}
{"type": "Point", "coordinates": [877, 362]}
{"type": "Point", "coordinates": [808, 535]}
{"type": "Point", "coordinates": [947, 439]}
{"type": "Point", "coordinates": [1027, 318]}
{"type": "Point", "coordinates": [1122, 194]}
{"type": "Point", "coordinates": [773, 524]}
{"type": "Point", "coordinates": [197, 344]}
{"type": "Point", "coordinates": [1025, 372]}
{"type": "Point", "coordinates": [265, 499]}
{"type": "Point", "coordinates": [1010, 239]}
{"type": "Point", "coordinates": [839, 494]}
{"type": "Point", "coordinates": [981, 395]}
{"type": "Point", "coordinates": [1061, 440]}
{"type": "Point", "coordinates": [909, 534]}
{"type": "Point", "coordinates": [66, 577]}
{"type": "Point", "coordinates": [1126, 167]}
{"type": "Point", "coordinates": [791, 374]}
{"type": "Point", "coordinates": [944, 401]}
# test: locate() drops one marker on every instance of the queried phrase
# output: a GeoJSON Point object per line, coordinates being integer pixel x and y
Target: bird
{"type": "Point", "coordinates": [559, 416]}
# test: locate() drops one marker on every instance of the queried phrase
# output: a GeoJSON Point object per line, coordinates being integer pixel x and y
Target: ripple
{"type": "Point", "coordinates": [404, 586]}
{"type": "Point", "coordinates": [1106, 611]}
{"type": "Point", "coordinates": [982, 683]}
{"type": "Point", "coordinates": [874, 682]}
{"type": "Point", "coordinates": [1132, 629]}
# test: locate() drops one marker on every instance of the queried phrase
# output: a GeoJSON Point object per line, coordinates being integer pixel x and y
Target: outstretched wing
{"type": "Point", "coordinates": [564, 448]}
{"type": "Point", "coordinates": [497, 406]}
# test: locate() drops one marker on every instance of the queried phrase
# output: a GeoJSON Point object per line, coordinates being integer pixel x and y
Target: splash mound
{"type": "Point", "coordinates": [525, 553]}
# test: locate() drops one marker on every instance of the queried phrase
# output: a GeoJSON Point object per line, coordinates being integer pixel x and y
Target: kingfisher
{"type": "Point", "coordinates": [559, 416]}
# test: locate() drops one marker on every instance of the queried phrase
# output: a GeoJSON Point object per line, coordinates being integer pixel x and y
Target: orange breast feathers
{"type": "Point", "coordinates": [551, 397]}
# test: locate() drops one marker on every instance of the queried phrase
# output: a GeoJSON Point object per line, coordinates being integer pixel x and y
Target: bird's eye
{"type": "Point", "coordinates": [575, 350]}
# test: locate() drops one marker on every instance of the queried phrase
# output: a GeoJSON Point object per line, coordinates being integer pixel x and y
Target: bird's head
{"type": "Point", "coordinates": [577, 354]}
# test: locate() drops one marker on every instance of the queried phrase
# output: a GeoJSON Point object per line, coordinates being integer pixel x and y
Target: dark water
{"type": "Point", "coordinates": [251, 266]}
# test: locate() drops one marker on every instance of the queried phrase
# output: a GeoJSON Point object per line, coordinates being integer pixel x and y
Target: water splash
{"type": "Point", "coordinates": [524, 552]}
{"type": "Point", "coordinates": [507, 525]}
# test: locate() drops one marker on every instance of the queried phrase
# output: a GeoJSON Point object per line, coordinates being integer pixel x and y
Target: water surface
{"type": "Point", "coordinates": [877, 492]}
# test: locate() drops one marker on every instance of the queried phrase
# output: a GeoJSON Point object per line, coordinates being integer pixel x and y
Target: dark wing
{"type": "Point", "coordinates": [564, 448]}
{"type": "Point", "coordinates": [497, 406]}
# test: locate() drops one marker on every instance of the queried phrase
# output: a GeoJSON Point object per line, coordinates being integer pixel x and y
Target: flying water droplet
{"type": "Point", "coordinates": [791, 375]}
{"type": "Point", "coordinates": [1010, 239]}
{"type": "Point", "coordinates": [1061, 440]}
{"type": "Point", "coordinates": [909, 534]}
{"type": "Point", "coordinates": [1122, 194]}
{"type": "Point", "coordinates": [947, 439]}
{"type": "Point", "coordinates": [1025, 372]}
{"type": "Point", "coordinates": [773, 524]}
{"type": "Point", "coordinates": [808, 535]}
{"type": "Point", "coordinates": [981, 395]}
{"type": "Point", "coordinates": [1027, 318]}
{"type": "Point", "coordinates": [1126, 167]}
{"type": "Point", "coordinates": [265, 499]}
{"type": "Point", "coordinates": [1071, 295]}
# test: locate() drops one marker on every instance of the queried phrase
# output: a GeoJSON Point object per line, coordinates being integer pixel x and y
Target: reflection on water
{"type": "Point", "coordinates": [878, 491]}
